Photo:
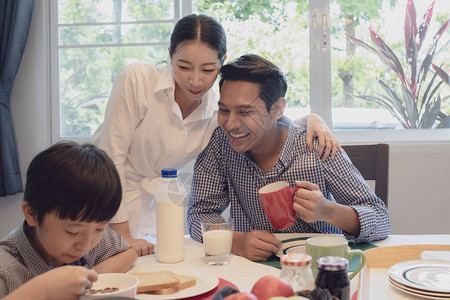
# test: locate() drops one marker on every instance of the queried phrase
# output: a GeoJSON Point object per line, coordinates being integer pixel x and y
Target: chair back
{"type": "Point", "coordinates": [372, 161]}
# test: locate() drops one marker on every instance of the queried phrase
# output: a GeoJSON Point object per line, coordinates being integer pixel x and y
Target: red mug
{"type": "Point", "coordinates": [277, 200]}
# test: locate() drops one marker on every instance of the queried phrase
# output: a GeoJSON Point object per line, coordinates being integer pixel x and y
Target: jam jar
{"type": "Point", "coordinates": [296, 269]}
{"type": "Point", "coordinates": [333, 276]}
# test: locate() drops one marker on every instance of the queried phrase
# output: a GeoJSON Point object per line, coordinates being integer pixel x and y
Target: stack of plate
{"type": "Point", "coordinates": [428, 279]}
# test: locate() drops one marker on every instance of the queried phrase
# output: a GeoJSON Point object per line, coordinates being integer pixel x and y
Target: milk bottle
{"type": "Point", "coordinates": [169, 199]}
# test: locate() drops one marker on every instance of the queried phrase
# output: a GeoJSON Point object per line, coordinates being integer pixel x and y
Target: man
{"type": "Point", "coordinates": [256, 145]}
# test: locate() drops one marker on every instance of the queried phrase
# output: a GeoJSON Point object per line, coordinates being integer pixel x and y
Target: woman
{"type": "Point", "coordinates": [163, 117]}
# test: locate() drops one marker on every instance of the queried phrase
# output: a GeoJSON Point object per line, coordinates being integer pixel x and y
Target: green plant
{"type": "Point", "coordinates": [419, 103]}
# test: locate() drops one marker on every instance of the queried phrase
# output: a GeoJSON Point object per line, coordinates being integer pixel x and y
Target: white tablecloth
{"type": "Point", "coordinates": [244, 273]}
{"type": "Point", "coordinates": [240, 271]}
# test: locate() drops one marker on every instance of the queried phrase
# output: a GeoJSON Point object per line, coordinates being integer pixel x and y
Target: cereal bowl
{"type": "Point", "coordinates": [113, 286]}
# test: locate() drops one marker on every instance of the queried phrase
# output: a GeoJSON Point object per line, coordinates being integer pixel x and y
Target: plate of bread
{"type": "Point", "coordinates": [170, 284]}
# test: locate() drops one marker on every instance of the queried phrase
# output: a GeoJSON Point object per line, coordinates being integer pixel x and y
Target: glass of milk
{"type": "Point", "coordinates": [217, 238]}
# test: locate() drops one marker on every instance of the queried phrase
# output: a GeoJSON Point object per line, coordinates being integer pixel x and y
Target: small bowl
{"type": "Point", "coordinates": [126, 284]}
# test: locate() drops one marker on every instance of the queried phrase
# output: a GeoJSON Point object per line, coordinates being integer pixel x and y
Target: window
{"type": "Point", "coordinates": [92, 40]}
{"type": "Point", "coordinates": [355, 70]}
{"type": "Point", "coordinates": [277, 31]}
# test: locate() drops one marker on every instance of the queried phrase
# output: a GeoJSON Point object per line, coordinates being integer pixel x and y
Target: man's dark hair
{"type": "Point", "coordinates": [77, 182]}
{"type": "Point", "coordinates": [254, 68]}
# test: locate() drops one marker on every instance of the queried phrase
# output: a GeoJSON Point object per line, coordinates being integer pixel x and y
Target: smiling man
{"type": "Point", "coordinates": [256, 145]}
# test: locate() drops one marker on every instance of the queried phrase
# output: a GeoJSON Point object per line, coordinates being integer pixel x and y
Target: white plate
{"type": "Point", "coordinates": [293, 246]}
{"type": "Point", "coordinates": [435, 255]}
{"type": "Point", "coordinates": [295, 242]}
{"type": "Point", "coordinates": [204, 284]}
{"type": "Point", "coordinates": [418, 293]}
{"type": "Point", "coordinates": [426, 275]}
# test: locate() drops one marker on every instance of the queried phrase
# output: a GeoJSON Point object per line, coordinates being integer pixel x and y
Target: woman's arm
{"type": "Point", "coordinates": [122, 116]}
{"type": "Point", "coordinates": [142, 247]}
{"type": "Point", "coordinates": [316, 127]}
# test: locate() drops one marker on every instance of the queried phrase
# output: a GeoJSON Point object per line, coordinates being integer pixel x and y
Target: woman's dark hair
{"type": "Point", "coordinates": [77, 182]}
{"type": "Point", "coordinates": [254, 68]}
{"type": "Point", "coordinates": [199, 28]}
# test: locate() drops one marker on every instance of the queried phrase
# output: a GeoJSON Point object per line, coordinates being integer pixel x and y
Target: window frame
{"type": "Point", "coordinates": [320, 82]}
{"type": "Point", "coordinates": [181, 8]}
{"type": "Point", "coordinates": [320, 89]}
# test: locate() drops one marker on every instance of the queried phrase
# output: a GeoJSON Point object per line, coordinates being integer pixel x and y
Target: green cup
{"type": "Point", "coordinates": [328, 245]}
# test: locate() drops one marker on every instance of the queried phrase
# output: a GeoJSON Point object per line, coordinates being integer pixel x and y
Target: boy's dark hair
{"type": "Point", "coordinates": [254, 68]}
{"type": "Point", "coordinates": [77, 182]}
{"type": "Point", "coordinates": [202, 28]}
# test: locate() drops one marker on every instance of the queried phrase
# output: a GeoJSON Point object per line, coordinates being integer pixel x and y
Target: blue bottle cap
{"type": "Point", "coordinates": [332, 263]}
{"type": "Point", "coordinates": [169, 173]}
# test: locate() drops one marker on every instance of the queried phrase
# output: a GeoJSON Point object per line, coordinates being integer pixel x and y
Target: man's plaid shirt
{"type": "Point", "coordinates": [223, 177]}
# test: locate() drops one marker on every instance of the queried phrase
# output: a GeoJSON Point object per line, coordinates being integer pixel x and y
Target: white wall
{"type": "Point", "coordinates": [30, 108]}
{"type": "Point", "coordinates": [419, 197]}
{"type": "Point", "coordinates": [419, 200]}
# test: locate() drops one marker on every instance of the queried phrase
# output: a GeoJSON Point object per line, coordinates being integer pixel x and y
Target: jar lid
{"type": "Point", "coordinates": [296, 259]}
{"type": "Point", "coordinates": [169, 173]}
{"type": "Point", "coordinates": [332, 263]}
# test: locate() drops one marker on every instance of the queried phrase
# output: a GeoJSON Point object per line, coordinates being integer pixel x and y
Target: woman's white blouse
{"type": "Point", "coordinates": [144, 132]}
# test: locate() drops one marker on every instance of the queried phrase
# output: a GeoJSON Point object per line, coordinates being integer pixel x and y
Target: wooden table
{"type": "Point", "coordinates": [373, 281]}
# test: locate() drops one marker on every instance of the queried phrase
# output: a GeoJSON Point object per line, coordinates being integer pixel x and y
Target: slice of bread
{"type": "Point", "coordinates": [185, 282]}
{"type": "Point", "coordinates": [154, 281]}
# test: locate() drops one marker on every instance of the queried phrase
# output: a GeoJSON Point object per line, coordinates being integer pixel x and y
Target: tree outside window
{"type": "Point", "coordinates": [98, 37]}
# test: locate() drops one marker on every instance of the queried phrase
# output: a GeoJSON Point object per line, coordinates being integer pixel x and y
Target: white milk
{"type": "Point", "coordinates": [169, 249]}
{"type": "Point", "coordinates": [217, 242]}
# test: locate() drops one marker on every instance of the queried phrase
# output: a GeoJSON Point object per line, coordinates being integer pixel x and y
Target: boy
{"type": "Point", "coordinates": [71, 193]}
{"type": "Point", "coordinates": [256, 145]}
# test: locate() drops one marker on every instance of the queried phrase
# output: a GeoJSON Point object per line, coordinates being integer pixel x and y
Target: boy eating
{"type": "Point", "coordinates": [71, 193]}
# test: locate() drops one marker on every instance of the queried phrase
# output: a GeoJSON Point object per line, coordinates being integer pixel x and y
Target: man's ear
{"type": "Point", "coordinates": [277, 108]}
{"type": "Point", "coordinates": [30, 214]}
